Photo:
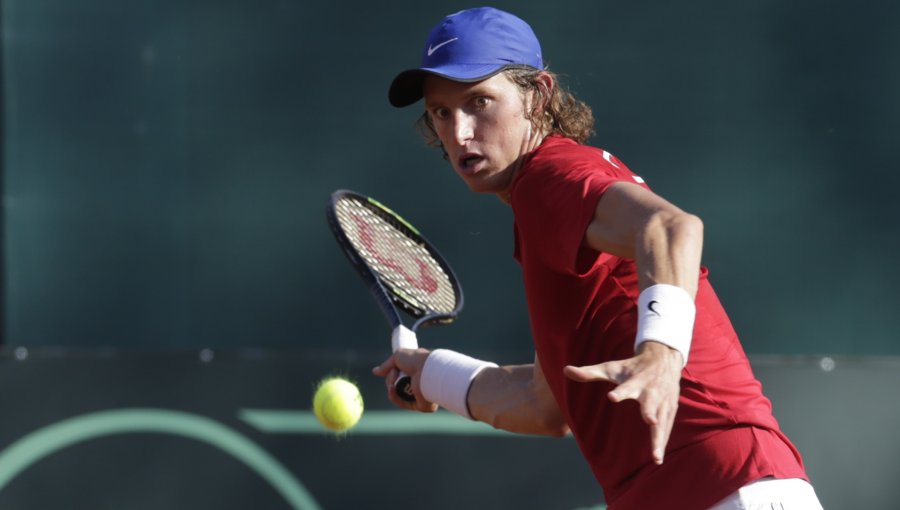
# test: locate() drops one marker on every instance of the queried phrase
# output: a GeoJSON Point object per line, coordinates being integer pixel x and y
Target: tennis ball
{"type": "Point", "coordinates": [337, 404]}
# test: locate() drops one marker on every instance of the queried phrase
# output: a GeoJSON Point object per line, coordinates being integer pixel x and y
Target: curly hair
{"type": "Point", "coordinates": [555, 111]}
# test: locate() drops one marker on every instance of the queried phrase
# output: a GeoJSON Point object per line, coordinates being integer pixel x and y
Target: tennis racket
{"type": "Point", "coordinates": [402, 270]}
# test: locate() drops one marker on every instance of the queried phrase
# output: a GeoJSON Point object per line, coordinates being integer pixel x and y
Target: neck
{"type": "Point", "coordinates": [531, 143]}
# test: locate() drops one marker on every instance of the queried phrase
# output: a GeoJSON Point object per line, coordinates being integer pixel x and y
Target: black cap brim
{"type": "Point", "coordinates": [406, 88]}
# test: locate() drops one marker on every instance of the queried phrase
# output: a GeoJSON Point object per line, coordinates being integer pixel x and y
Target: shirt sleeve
{"type": "Point", "coordinates": [553, 205]}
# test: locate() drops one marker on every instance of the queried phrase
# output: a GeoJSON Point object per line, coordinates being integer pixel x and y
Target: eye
{"type": "Point", "coordinates": [440, 113]}
{"type": "Point", "coordinates": [481, 102]}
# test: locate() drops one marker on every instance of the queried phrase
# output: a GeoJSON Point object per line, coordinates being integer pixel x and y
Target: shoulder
{"type": "Point", "coordinates": [559, 155]}
{"type": "Point", "coordinates": [560, 149]}
{"type": "Point", "coordinates": [562, 162]}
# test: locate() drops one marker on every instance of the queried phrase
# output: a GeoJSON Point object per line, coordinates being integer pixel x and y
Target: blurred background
{"type": "Point", "coordinates": [165, 170]}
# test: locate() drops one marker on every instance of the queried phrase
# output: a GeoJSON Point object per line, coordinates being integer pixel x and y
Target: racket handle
{"type": "Point", "coordinates": [404, 338]}
{"type": "Point", "coordinates": [403, 388]}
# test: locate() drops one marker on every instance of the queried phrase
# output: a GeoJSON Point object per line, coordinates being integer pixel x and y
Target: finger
{"type": "Point", "coordinates": [660, 431]}
{"type": "Point", "coordinates": [391, 378]}
{"type": "Point", "coordinates": [418, 404]}
{"type": "Point", "coordinates": [390, 382]}
{"type": "Point", "coordinates": [423, 405]}
{"type": "Point", "coordinates": [658, 440]}
{"type": "Point", "coordinates": [601, 372]}
{"type": "Point", "coordinates": [383, 369]}
{"type": "Point", "coordinates": [650, 413]}
{"type": "Point", "coordinates": [626, 391]}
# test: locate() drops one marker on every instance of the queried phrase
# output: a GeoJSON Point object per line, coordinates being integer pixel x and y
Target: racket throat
{"type": "Point", "coordinates": [403, 338]}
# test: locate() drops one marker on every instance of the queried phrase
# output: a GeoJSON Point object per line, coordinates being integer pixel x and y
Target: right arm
{"type": "Point", "coordinates": [515, 398]}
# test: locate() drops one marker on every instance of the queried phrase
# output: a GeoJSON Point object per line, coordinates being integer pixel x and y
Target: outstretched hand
{"type": "Point", "coordinates": [652, 377]}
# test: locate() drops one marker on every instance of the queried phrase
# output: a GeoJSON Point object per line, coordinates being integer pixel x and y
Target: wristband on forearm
{"type": "Point", "coordinates": [446, 377]}
{"type": "Point", "coordinates": [666, 315]}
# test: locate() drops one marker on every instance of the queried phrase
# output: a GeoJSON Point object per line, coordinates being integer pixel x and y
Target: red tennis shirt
{"type": "Point", "coordinates": [582, 306]}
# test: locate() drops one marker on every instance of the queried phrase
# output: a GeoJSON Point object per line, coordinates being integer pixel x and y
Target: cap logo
{"type": "Point", "coordinates": [487, 41]}
{"type": "Point", "coordinates": [432, 49]}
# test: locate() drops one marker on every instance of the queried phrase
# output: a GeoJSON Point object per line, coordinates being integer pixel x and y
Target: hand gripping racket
{"type": "Point", "coordinates": [400, 267]}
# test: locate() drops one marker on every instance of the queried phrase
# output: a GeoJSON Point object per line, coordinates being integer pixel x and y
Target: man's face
{"type": "Point", "coordinates": [483, 128]}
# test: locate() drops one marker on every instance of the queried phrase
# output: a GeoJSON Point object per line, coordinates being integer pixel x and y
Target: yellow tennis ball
{"type": "Point", "coordinates": [337, 403]}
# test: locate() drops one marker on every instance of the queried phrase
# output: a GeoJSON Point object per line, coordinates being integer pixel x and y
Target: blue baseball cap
{"type": "Point", "coordinates": [469, 46]}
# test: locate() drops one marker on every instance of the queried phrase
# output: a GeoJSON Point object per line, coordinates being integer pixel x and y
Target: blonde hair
{"type": "Point", "coordinates": [554, 111]}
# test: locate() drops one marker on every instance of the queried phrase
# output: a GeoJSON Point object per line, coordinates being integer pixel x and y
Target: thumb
{"type": "Point", "coordinates": [590, 373]}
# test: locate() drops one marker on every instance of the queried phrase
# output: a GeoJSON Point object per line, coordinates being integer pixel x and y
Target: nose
{"type": "Point", "coordinates": [463, 128]}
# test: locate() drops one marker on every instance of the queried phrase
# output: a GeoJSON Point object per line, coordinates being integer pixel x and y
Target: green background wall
{"type": "Point", "coordinates": [165, 170]}
{"type": "Point", "coordinates": [167, 163]}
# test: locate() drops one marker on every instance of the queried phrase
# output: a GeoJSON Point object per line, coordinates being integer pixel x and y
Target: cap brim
{"type": "Point", "coordinates": [406, 88]}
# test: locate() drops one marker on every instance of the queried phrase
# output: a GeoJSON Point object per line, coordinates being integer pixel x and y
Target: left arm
{"type": "Point", "coordinates": [666, 244]}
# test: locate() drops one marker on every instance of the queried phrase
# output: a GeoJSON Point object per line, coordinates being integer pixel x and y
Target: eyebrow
{"type": "Point", "coordinates": [479, 90]}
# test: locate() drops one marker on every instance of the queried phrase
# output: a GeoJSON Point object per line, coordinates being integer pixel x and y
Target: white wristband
{"type": "Point", "coordinates": [666, 315]}
{"type": "Point", "coordinates": [446, 378]}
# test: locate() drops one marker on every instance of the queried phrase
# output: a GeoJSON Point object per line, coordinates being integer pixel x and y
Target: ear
{"type": "Point", "coordinates": [545, 84]}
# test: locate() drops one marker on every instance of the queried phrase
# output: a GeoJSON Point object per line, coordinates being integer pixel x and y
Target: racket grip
{"type": "Point", "coordinates": [403, 388]}
{"type": "Point", "coordinates": [404, 338]}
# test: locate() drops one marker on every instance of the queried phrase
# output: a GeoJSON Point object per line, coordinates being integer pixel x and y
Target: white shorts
{"type": "Point", "coordinates": [772, 494]}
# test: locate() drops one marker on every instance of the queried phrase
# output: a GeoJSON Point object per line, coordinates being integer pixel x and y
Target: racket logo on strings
{"type": "Point", "coordinates": [425, 280]}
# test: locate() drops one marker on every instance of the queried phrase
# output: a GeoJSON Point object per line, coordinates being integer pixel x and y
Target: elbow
{"type": "Point", "coordinates": [548, 428]}
{"type": "Point", "coordinates": [687, 229]}
{"type": "Point", "coordinates": [694, 228]}
{"type": "Point", "coordinates": [537, 421]}
{"type": "Point", "coordinates": [557, 430]}
{"type": "Point", "coordinates": [693, 225]}
{"type": "Point", "coordinates": [680, 223]}
{"type": "Point", "coordinates": [672, 228]}
{"type": "Point", "coordinates": [553, 424]}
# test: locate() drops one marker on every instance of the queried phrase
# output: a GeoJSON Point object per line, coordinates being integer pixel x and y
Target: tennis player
{"type": "Point", "coordinates": [635, 356]}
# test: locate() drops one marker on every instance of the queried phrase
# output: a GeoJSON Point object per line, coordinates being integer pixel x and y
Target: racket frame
{"type": "Point", "coordinates": [388, 301]}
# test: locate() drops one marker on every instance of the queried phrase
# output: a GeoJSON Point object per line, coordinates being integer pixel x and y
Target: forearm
{"type": "Point", "coordinates": [668, 250]}
{"type": "Point", "coordinates": [516, 398]}
{"type": "Point", "coordinates": [666, 244]}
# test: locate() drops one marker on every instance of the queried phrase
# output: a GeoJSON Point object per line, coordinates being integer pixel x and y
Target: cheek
{"type": "Point", "coordinates": [511, 123]}
{"type": "Point", "coordinates": [444, 133]}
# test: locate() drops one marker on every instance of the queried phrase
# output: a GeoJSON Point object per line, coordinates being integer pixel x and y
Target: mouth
{"type": "Point", "coordinates": [470, 162]}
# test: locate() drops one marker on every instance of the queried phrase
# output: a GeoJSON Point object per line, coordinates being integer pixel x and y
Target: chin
{"type": "Point", "coordinates": [477, 189]}
{"type": "Point", "coordinates": [482, 186]}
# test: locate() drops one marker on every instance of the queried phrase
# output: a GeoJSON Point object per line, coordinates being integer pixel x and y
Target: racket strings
{"type": "Point", "coordinates": [406, 267]}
